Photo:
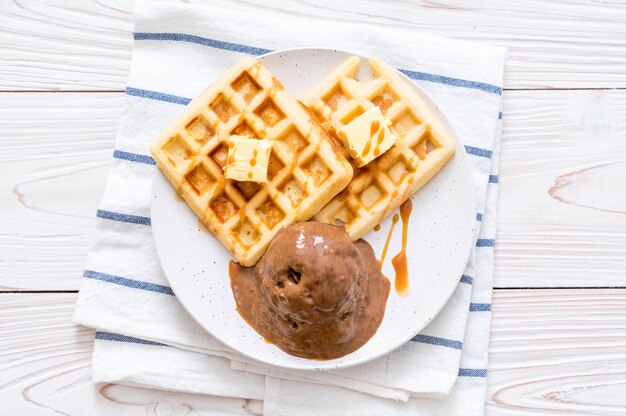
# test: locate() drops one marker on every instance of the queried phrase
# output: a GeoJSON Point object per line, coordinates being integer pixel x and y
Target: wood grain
{"type": "Point", "coordinates": [558, 352]}
{"type": "Point", "coordinates": [56, 45]}
{"type": "Point", "coordinates": [45, 369]}
{"type": "Point", "coordinates": [562, 217]}
{"type": "Point", "coordinates": [54, 153]}
{"type": "Point", "coordinates": [86, 45]}
{"type": "Point", "coordinates": [562, 205]}
{"type": "Point", "coordinates": [553, 352]}
{"type": "Point", "coordinates": [562, 153]}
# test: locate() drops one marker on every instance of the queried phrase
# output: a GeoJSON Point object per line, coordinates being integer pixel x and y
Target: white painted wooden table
{"type": "Point", "coordinates": [558, 342]}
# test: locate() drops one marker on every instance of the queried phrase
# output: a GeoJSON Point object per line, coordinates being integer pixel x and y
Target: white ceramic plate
{"type": "Point", "coordinates": [440, 236]}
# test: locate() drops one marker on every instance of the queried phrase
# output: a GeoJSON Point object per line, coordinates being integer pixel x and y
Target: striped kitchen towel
{"type": "Point", "coordinates": [144, 335]}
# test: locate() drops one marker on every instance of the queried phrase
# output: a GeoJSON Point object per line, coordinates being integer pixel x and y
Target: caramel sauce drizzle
{"type": "Point", "coordinates": [399, 261]}
{"type": "Point", "coordinates": [381, 137]}
{"type": "Point", "coordinates": [394, 221]}
{"type": "Point", "coordinates": [377, 227]}
{"type": "Point", "coordinates": [366, 149]}
{"type": "Point", "coordinates": [373, 129]}
{"type": "Point", "coordinates": [229, 159]}
{"type": "Point", "coordinates": [255, 153]}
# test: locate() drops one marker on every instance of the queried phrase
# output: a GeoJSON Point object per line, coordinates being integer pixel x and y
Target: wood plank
{"type": "Point", "coordinates": [558, 352]}
{"type": "Point", "coordinates": [45, 369]}
{"type": "Point", "coordinates": [56, 45]}
{"type": "Point", "coordinates": [54, 154]}
{"type": "Point", "coordinates": [562, 206]}
{"type": "Point", "coordinates": [552, 352]}
{"type": "Point", "coordinates": [87, 45]}
{"type": "Point", "coordinates": [562, 153]}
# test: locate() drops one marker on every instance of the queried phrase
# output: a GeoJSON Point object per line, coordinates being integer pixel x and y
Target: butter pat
{"type": "Point", "coordinates": [367, 136]}
{"type": "Point", "coordinates": [247, 159]}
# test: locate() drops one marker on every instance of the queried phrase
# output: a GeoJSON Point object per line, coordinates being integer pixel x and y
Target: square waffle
{"type": "Point", "coordinates": [422, 148]}
{"type": "Point", "coordinates": [306, 169]}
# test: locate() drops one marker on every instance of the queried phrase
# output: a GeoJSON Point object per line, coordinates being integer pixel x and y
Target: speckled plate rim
{"type": "Point", "coordinates": [182, 245]}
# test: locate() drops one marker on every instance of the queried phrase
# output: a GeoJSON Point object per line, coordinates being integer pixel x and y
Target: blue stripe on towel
{"type": "Point", "coordinates": [454, 82]}
{"type": "Point", "coordinates": [253, 50]}
{"type": "Point", "coordinates": [478, 151]}
{"type": "Point", "coordinates": [467, 279]}
{"type": "Point", "coordinates": [494, 179]}
{"type": "Point", "coordinates": [116, 216]}
{"type": "Point", "coordinates": [485, 242]}
{"type": "Point", "coordinates": [122, 281]}
{"type": "Point", "coordinates": [214, 43]}
{"type": "Point", "coordinates": [155, 95]}
{"type": "Point", "coordinates": [133, 157]}
{"type": "Point", "coordinates": [480, 307]}
{"type": "Point", "coordinates": [479, 216]}
{"type": "Point", "coordinates": [500, 115]}
{"type": "Point", "coordinates": [427, 339]}
{"type": "Point", "coordinates": [110, 336]}
{"type": "Point", "coordinates": [472, 372]}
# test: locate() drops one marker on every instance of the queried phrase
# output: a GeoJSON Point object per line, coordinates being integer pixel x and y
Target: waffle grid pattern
{"type": "Point", "coordinates": [305, 169]}
{"type": "Point", "coordinates": [422, 146]}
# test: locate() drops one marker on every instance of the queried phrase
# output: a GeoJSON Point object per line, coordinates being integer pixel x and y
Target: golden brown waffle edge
{"type": "Point", "coordinates": [423, 143]}
{"type": "Point", "coordinates": [306, 169]}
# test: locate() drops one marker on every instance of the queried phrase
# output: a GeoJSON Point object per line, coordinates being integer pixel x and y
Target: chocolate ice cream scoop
{"type": "Point", "coordinates": [315, 293]}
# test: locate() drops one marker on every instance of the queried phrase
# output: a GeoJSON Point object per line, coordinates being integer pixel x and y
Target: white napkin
{"type": "Point", "coordinates": [146, 338]}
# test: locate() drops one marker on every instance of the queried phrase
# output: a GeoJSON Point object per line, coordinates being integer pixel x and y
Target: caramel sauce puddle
{"type": "Point", "coordinates": [231, 273]}
{"type": "Point", "coordinates": [231, 269]}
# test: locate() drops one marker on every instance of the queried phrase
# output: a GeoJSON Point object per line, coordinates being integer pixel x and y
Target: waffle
{"type": "Point", "coordinates": [422, 148]}
{"type": "Point", "coordinates": [306, 169]}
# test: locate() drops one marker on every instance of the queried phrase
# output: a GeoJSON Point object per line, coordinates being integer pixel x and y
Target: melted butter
{"type": "Point", "coordinates": [394, 221]}
{"type": "Point", "coordinates": [399, 261]}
